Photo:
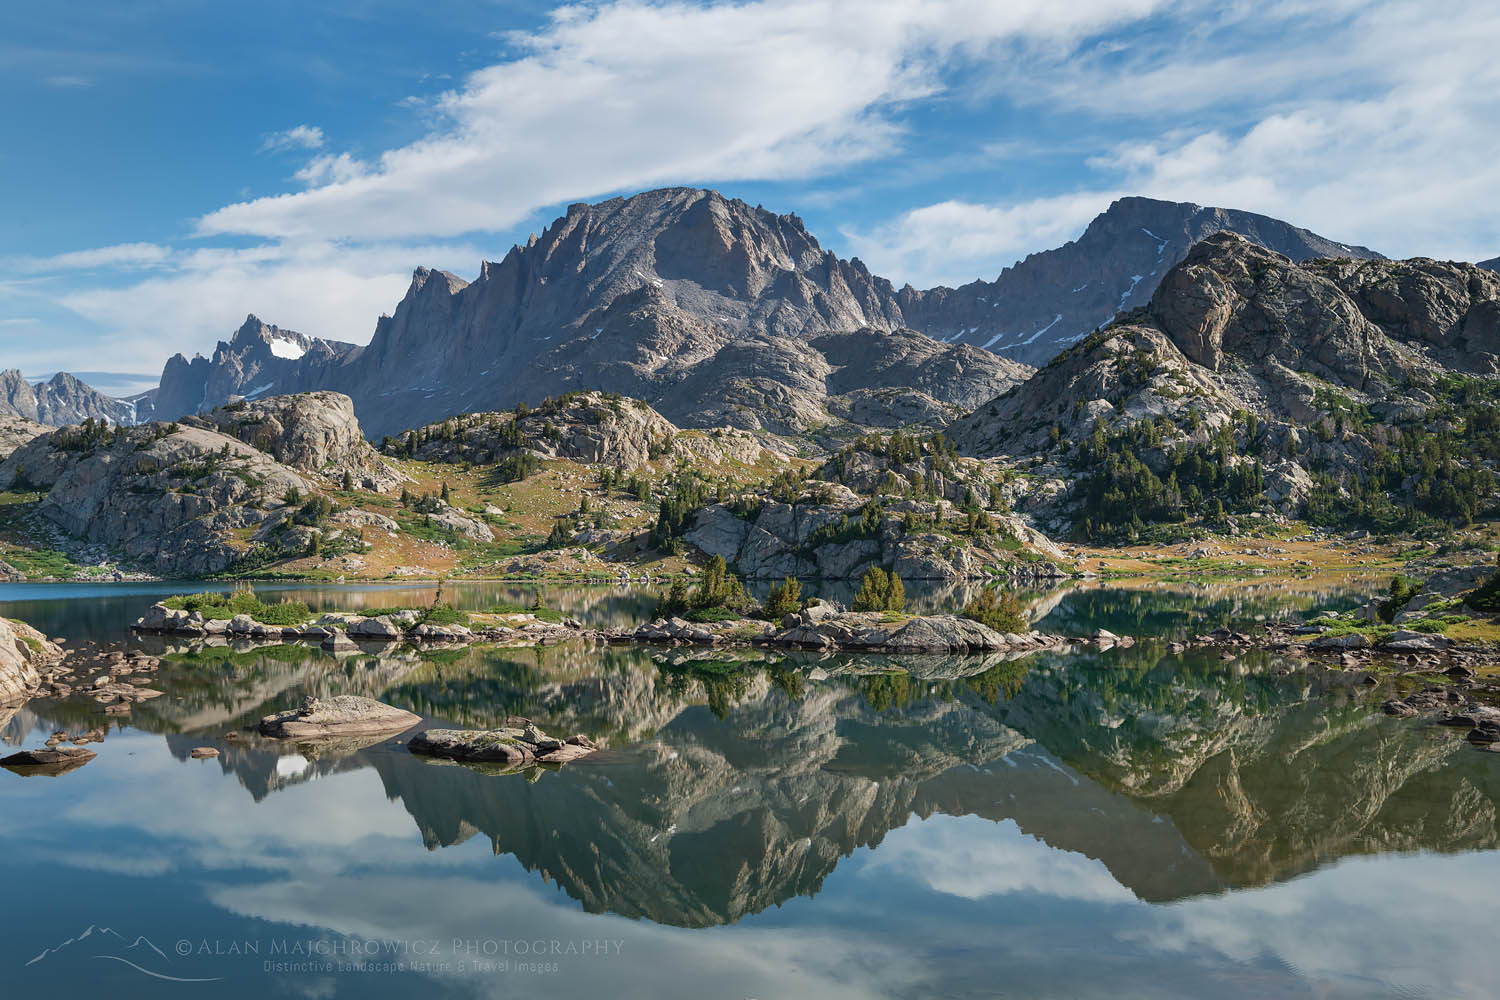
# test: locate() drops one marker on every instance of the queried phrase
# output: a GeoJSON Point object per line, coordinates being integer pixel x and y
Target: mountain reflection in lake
{"type": "Point", "coordinates": [1130, 822]}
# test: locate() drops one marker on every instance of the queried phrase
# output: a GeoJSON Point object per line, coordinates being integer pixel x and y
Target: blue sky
{"type": "Point", "coordinates": [171, 166]}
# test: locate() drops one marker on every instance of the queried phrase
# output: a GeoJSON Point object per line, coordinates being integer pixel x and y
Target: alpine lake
{"type": "Point", "coordinates": [1129, 822]}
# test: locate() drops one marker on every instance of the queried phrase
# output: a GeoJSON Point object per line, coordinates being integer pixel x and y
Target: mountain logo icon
{"type": "Point", "coordinates": [110, 945]}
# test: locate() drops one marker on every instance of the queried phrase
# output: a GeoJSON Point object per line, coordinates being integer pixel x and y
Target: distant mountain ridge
{"type": "Point", "coordinates": [716, 312]}
{"type": "Point", "coordinates": [713, 311]}
{"type": "Point", "coordinates": [62, 399]}
{"type": "Point", "coordinates": [259, 359]}
{"type": "Point", "coordinates": [1493, 264]}
{"type": "Point", "coordinates": [1056, 297]}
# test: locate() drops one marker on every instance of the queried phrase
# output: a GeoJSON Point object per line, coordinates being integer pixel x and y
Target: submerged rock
{"type": "Point", "coordinates": [342, 715]}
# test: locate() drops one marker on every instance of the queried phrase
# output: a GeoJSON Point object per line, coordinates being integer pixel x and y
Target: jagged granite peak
{"type": "Point", "coordinates": [709, 308]}
{"type": "Point", "coordinates": [259, 359]}
{"type": "Point", "coordinates": [1056, 297]}
{"type": "Point", "coordinates": [705, 307]}
{"type": "Point", "coordinates": [62, 399]}
{"type": "Point", "coordinates": [1236, 327]}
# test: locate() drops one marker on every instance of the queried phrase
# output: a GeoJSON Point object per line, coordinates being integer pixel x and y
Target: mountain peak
{"type": "Point", "coordinates": [1038, 306]}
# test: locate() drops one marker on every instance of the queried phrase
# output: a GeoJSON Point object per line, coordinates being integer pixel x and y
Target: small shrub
{"type": "Point", "coordinates": [997, 609]}
{"type": "Point", "coordinates": [1401, 591]}
{"type": "Point", "coordinates": [1486, 597]}
{"type": "Point", "coordinates": [711, 615]}
{"type": "Point", "coordinates": [785, 598]}
{"type": "Point", "coordinates": [674, 603]}
{"type": "Point", "coordinates": [443, 614]}
{"type": "Point", "coordinates": [880, 591]}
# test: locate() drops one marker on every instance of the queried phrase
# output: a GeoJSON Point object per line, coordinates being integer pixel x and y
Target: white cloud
{"type": "Point", "coordinates": [954, 242]}
{"type": "Point", "coordinates": [120, 256]}
{"type": "Point", "coordinates": [297, 137]}
{"type": "Point", "coordinates": [631, 94]}
{"type": "Point", "coordinates": [1369, 123]}
{"type": "Point", "coordinates": [330, 169]}
{"type": "Point", "coordinates": [974, 859]}
{"type": "Point", "coordinates": [322, 289]}
{"type": "Point", "coordinates": [1405, 906]}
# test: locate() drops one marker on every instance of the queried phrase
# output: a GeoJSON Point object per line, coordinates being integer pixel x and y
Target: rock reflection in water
{"type": "Point", "coordinates": [738, 780]}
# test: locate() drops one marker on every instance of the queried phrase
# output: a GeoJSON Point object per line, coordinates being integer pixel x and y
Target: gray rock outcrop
{"type": "Point", "coordinates": [16, 431]}
{"type": "Point", "coordinates": [828, 540]}
{"type": "Point", "coordinates": [1238, 331]}
{"type": "Point", "coordinates": [313, 432]}
{"type": "Point", "coordinates": [22, 651]}
{"type": "Point", "coordinates": [170, 497]}
{"type": "Point", "coordinates": [339, 716]}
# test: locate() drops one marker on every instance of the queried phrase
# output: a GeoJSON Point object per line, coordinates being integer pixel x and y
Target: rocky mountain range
{"type": "Point", "coordinates": [713, 311]}
{"type": "Point", "coordinates": [258, 360]}
{"type": "Point", "coordinates": [718, 313]}
{"type": "Point", "coordinates": [1056, 297]}
{"type": "Point", "coordinates": [1239, 327]}
{"type": "Point", "coordinates": [1320, 366]}
{"type": "Point", "coordinates": [1493, 264]}
{"type": "Point", "coordinates": [62, 399]}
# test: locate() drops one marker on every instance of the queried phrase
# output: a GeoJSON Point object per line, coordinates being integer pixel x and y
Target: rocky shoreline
{"type": "Point", "coordinates": [819, 626]}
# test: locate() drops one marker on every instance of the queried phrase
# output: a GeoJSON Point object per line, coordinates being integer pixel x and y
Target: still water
{"type": "Point", "coordinates": [1132, 823]}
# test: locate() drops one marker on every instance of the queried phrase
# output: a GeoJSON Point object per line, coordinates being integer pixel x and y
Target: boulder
{"type": "Point", "coordinates": [509, 746]}
{"type": "Point", "coordinates": [1415, 642]}
{"type": "Point", "coordinates": [342, 715]}
{"type": "Point", "coordinates": [944, 634]}
{"type": "Point", "coordinates": [383, 628]}
{"type": "Point", "coordinates": [1486, 732]}
{"type": "Point", "coordinates": [49, 760]}
{"type": "Point", "coordinates": [442, 633]}
{"type": "Point", "coordinates": [338, 642]}
{"type": "Point", "coordinates": [493, 746]}
{"type": "Point", "coordinates": [22, 651]}
{"type": "Point", "coordinates": [1336, 643]}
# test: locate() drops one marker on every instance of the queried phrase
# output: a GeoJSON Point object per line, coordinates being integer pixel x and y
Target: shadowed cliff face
{"type": "Point", "coordinates": [718, 312]}
{"type": "Point", "coordinates": [703, 306]}
{"type": "Point", "coordinates": [731, 784]}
